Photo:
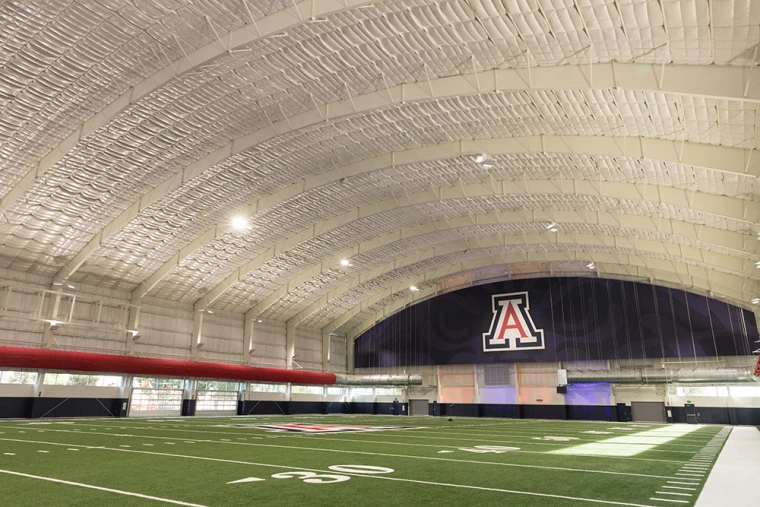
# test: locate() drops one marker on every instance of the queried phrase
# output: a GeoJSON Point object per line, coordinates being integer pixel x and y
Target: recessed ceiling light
{"type": "Point", "coordinates": [239, 223]}
{"type": "Point", "coordinates": [414, 288]}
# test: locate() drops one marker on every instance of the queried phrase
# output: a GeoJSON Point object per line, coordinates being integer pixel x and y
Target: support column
{"type": "Point", "coordinates": [197, 339]}
{"type": "Point", "coordinates": [326, 344]}
{"type": "Point", "coordinates": [189, 397]}
{"type": "Point", "coordinates": [51, 315]}
{"type": "Point", "coordinates": [251, 316]}
{"type": "Point", "coordinates": [350, 354]}
{"type": "Point", "coordinates": [133, 325]}
{"type": "Point", "coordinates": [290, 343]}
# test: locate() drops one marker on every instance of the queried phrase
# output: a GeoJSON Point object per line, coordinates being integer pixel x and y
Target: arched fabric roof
{"type": "Point", "coordinates": [422, 139]}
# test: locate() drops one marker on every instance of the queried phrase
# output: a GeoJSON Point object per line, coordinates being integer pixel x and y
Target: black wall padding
{"type": "Point", "coordinates": [77, 407]}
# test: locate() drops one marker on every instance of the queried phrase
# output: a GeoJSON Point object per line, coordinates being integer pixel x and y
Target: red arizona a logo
{"type": "Point", "coordinates": [512, 327]}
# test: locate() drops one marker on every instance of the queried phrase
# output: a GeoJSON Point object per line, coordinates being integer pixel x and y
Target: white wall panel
{"type": "Point", "coordinates": [309, 348]}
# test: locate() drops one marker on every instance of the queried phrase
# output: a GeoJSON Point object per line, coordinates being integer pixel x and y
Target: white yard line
{"type": "Point", "coordinates": [397, 479]}
{"type": "Point", "coordinates": [98, 488]}
{"type": "Point", "coordinates": [386, 455]}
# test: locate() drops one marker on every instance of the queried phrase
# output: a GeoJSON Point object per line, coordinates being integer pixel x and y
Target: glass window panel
{"type": "Point", "coordinates": [307, 390]}
{"type": "Point", "coordinates": [268, 388]}
{"type": "Point", "coordinates": [156, 399]}
{"type": "Point", "coordinates": [216, 401]}
{"type": "Point", "coordinates": [18, 377]}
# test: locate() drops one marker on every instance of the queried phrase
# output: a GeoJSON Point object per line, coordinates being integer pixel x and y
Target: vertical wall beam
{"type": "Point", "coordinates": [197, 338]}
{"type": "Point", "coordinates": [290, 343]}
{"type": "Point", "coordinates": [350, 354]}
{"type": "Point", "coordinates": [54, 303]}
{"type": "Point", "coordinates": [133, 325]}
{"type": "Point", "coordinates": [248, 329]}
{"type": "Point", "coordinates": [326, 343]}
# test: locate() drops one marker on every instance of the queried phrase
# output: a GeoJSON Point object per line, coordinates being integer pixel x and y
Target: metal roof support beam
{"type": "Point", "coordinates": [278, 22]}
{"type": "Point", "coordinates": [707, 81]}
{"type": "Point", "coordinates": [681, 231]}
{"type": "Point", "coordinates": [581, 243]}
{"type": "Point", "coordinates": [722, 206]}
{"type": "Point", "coordinates": [608, 266]}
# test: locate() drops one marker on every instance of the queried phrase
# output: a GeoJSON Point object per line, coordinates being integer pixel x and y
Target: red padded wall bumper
{"type": "Point", "coordinates": [46, 359]}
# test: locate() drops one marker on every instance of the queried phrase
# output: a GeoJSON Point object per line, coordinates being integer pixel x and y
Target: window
{"type": "Point", "coordinates": [392, 391]}
{"type": "Point", "coordinates": [745, 391]}
{"type": "Point", "coordinates": [157, 383]}
{"type": "Point", "coordinates": [71, 379]}
{"type": "Point", "coordinates": [268, 388]}
{"type": "Point", "coordinates": [363, 391]}
{"type": "Point", "coordinates": [169, 400]}
{"type": "Point", "coordinates": [337, 391]}
{"type": "Point", "coordinates": [217, 385]}
{"type": "Point", "coordinates": [308, 390]}
{"type": "Point", "coordinates": [713, 391]}
{"type": "Point", "coordinates": [217, 401]}
{"type": "Point", "coordinates": [17, 377]}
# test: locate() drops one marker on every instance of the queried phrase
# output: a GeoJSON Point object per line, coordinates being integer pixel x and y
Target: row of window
{"type": "Point", "coordinates": [150, 383]}
{"type": "Point", "coordinates": [746, 391]}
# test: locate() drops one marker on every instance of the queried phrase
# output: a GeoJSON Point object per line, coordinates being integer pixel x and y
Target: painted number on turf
{"type": "Point", "coordinates": [312, 478]}
{"type": "Point", "coordinates": [482, 449]}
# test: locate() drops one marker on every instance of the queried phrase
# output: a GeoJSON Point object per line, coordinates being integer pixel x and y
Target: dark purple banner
{"type": "Point", "coordinates": [557, 319]}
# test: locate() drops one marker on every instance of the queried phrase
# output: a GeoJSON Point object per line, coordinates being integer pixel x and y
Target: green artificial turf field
{"type": "Point", "coordinates": [230, 462]}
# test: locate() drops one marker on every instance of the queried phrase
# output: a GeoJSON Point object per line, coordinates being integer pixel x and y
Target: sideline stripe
{"type": "Point", "coordinates": [107, 490]}
{"type": "Point", "coordinates": [379, 477]}
{"type": "Point", "coordinates": [367, 453]}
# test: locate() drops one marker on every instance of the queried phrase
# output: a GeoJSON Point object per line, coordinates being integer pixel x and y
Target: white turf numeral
{"type": "Point", "coordinates": [312, 478]}
{"type": "Point", "coordinates": [482, 449]}
{"type": "Point", "coordinates": [360, 469]}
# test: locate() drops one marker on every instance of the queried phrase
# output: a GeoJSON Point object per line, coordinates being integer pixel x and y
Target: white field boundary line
{"type": "Point", "coordinates": [391, 433]}
{"type": "Point", "coordinates": [379, 477]}
{"type": "Point", "coordinates": [99, 488]}
{"type": "Point", "coordinates": [367, 453]}
{"type": "Point", "coordinates": [386, 442]}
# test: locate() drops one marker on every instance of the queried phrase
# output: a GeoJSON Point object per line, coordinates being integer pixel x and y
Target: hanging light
{"type": "Point", "coordinates": [239, 223]}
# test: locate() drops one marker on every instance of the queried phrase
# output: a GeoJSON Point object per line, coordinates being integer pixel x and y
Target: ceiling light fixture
{"type": "Point", "coordinates": [487, 166]}
{"type": "Point", "coordinates": [551, 226]}
{"type": "Point", "coordinates": [69, 286]}
{"type": "Point", "coordinates": [757, 264]}
{"type": "Point", "coordinates": [755, 301]}
{"type": "Point", "coordinates": [345, 263]}
{"type": "Point", "coordinates": [239, 223]}
{"type": "Point", "coordinates": [414, 288]}
{"type": "Point", "coordinates": [480, 158]}
{"type": "Point", "coordinates": [259, 321]}
{"type": "Point", "coordinates": [591, 265]}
